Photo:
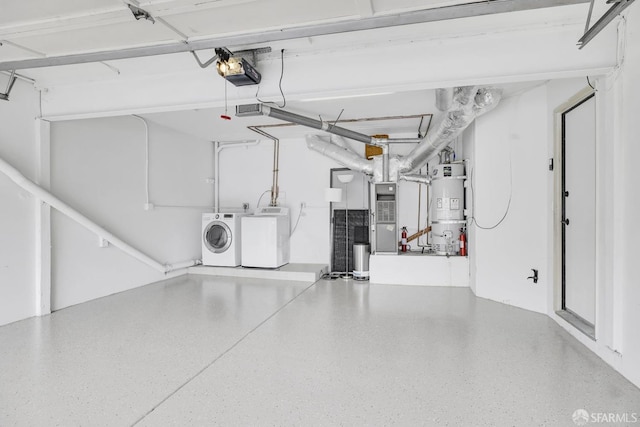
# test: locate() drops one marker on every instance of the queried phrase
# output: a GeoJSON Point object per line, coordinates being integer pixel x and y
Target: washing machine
{"type": "Point", "coordinates": [221, 239]}
{"type": "Point", "coordinates": [265, 238]}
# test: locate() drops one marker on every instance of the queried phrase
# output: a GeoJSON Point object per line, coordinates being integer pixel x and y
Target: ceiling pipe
{"type": "Point", "coordinates": [464, 105]}
{"type": "Point", "coordinates": [315, 124]}
{"type": "Point", "coordinates": [337, 153]}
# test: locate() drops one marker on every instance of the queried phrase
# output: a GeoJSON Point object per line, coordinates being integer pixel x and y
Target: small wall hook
{"type": "Point", "coordinates": [535, 275]}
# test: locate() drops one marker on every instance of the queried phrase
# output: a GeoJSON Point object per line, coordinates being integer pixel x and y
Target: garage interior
{"type": "Point", "coordinates": [368, 212]}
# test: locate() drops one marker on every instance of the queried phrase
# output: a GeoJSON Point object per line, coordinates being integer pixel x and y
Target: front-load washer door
{"type": "Point", "coordinates": [217, 237]}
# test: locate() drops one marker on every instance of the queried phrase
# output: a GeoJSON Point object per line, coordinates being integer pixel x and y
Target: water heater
{"type": "Point", "coordinates": [385, 221]}
{"type": "Point", "coordinates": [447, 207]}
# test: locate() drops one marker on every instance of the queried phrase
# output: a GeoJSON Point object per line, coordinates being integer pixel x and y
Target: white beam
{"type": "Point", "coordinates": [262, 37]}
{"type": "Point", "coordinates": [422, 64]}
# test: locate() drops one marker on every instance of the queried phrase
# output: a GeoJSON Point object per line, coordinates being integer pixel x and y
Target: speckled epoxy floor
{"type": "Point", "coordinates": [225, 351]}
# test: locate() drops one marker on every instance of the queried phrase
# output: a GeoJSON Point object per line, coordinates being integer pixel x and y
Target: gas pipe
{"type": "Point", "coordinates": [404, 239]}
{"type": "Point", "coordinates": [463, 243]}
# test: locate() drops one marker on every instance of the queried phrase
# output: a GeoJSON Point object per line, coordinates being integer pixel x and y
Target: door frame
{"type": "Point", "coordinates": [559, 210]}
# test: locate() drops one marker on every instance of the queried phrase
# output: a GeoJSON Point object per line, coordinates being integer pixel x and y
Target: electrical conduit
{"type": "Point", "coordinates": [218, 147]}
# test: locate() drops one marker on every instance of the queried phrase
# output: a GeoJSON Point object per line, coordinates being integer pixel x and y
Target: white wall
{"type": "Point", "coordinates": [629, 199]}
{"type": "Point", "coordinates": [467, 142]}
{"type": "Point", "coordinates": [510, 162]}
{"type": "Point", "coordinates": [98, 167]}
{"type": "Point", "coordinates": [522, 129]}
{"type": "Point", "coordinates": [618, 204]}
{"type": "Point", "coordinates": [246, 173]}
{"type": "Point", "coordinates": [17, 207]}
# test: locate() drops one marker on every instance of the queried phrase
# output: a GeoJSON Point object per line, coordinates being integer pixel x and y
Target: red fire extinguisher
{"type": "Point", "coordinates": [404, 239]}
{"type": "Point", "coordinates": [463, 243]}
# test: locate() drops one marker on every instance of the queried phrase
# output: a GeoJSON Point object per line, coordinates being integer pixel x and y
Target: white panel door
{"type": "Point", "coordinates": [579, 210]}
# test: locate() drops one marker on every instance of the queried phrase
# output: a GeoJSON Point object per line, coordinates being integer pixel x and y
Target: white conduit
{"type": "Point", "coordinates": [67, 210]}
{"type": "Point", "coordinates": [218, 146]}
{"type": "Point", "coordinates": [148, 204]}
{"type": "Point", "coordinates": [146, 157]}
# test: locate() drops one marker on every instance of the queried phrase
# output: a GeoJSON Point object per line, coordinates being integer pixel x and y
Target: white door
{"type": "Point", "coordinates": [579, 196]}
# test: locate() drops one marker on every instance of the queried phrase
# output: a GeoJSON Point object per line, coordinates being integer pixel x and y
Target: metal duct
{"type": "Point", "coordinates": [341, 155]}
{"type": "Point", "coordinates": [444, 98]}
{"type": "Point", "coordinates": [385, 163]}
{"type": "Point", "coordinates": [316, 124]}
{"type": "Point", "coordinates": [342, 142]}
{"type": "Point", "coordinates": [422, 179]}
{"type": "Point", "coordinates": [468, 103]}
{"type": "Point", "coordinates": [465, 104]}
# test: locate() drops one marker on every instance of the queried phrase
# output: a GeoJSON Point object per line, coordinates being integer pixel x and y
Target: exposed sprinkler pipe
{"type": "Point", "coordinates": [67, 210]}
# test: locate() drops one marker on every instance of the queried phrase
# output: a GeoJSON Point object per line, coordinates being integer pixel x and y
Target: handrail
{"type": "Point", "coordinates": [67, 210]}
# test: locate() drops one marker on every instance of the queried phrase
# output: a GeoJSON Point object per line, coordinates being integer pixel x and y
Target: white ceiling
{"type": "Point", "coordinates": [69, 26]}
{"type": "Point", "coordinates": [43, 28]}
{"type": "Point", "coordinates": [385, 113]}
{"type": "Point", "coordinates": [376, 109]}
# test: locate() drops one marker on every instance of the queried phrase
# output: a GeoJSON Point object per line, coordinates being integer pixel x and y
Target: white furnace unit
{"type": "Point", "coordinates": [265, 238]}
